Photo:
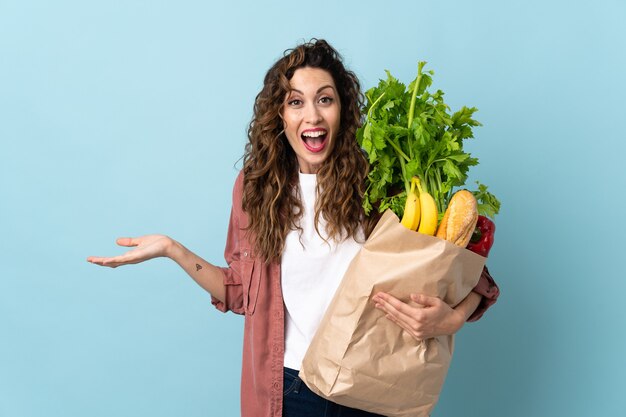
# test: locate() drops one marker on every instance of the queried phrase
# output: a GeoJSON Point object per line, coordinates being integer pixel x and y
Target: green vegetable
{"type": "Point", "coordinates": [488, 204]}
{"type": "Point", "coordinates": [410, 132]}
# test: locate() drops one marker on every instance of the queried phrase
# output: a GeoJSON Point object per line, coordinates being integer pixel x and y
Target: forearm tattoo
{"type": "Point", "coordinates": [198, 267]}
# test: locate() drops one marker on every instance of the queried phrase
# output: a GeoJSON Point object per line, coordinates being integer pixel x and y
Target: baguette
{"type": "Point", "coordinates": [443, 226]}
{"type": "Point", "coordinates": [460, 219]}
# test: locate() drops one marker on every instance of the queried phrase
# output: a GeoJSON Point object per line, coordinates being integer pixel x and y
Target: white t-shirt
{"type": "Point", "coordinates": [311, 271]}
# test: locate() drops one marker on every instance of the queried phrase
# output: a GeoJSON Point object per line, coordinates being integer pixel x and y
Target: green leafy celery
{"type": "Point", "coordinates": [409, 131]}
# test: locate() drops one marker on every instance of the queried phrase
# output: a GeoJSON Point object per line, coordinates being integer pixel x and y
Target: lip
{"type": "Point", "coordinates": [321, 147]}
{"type": "Point", "coordinates": [317, 129]}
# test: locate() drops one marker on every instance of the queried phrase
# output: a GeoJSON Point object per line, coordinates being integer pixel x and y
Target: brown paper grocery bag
{"type": "Point", "coordinates": [360, 359]}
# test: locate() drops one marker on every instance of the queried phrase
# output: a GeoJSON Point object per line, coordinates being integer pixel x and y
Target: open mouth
{"type": "Point", "coordinates": [314, 140]}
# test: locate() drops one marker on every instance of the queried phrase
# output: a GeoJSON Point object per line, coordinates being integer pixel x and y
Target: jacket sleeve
{"type": "Point", "coordinates": [490, 292]}
{"type": "Point", "coordinates": [232, 274]}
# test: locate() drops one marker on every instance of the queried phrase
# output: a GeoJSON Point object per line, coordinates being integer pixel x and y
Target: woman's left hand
{"type": "Point", "coordinates": [423, 318]}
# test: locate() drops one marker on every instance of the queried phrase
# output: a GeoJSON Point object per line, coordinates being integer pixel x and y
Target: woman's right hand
{"type": "Point", "coordinates": [146, 247]}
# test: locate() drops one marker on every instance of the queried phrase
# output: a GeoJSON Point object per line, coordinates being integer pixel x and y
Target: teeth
{"type": "Point", "coordinates": [314, 134]}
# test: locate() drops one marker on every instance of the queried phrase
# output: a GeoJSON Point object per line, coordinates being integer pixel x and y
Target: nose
{"type": "Point", "coordinates": [312, 114]}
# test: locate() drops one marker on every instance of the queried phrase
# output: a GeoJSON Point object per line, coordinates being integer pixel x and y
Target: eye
{"type": "Point", "coordinates": [326, 100]}
{"type": "Point", "coordinates": [294, 102]}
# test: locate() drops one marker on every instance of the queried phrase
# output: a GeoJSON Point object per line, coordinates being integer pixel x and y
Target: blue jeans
{"type": "Point", "coordinates": [300, 401]}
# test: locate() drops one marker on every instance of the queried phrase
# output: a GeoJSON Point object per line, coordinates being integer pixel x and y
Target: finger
{"type": "Point", "coordinates": [425, 300]}
{"type": "Point", "coordinates": [110, 262]}
{"type": "Point", "coordinates": [127, 241]}
{"type": "Point", "coordinates": [390, 300]}
{"type": "Point", "coordinates": [95, 259]}
{"type": "Point", "coordinates": [406, 316]}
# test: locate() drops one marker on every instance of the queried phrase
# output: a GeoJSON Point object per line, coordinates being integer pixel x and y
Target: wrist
{"type": "Point", "coordinates": [469, 305]}
{"type": "Point", "coordinates": [173, 249]}
{"type": "Point", "coordinates": [458, 320]}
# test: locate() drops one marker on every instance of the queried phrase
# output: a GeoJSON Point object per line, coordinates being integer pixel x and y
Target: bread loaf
{"type": "Point", "coordinates": [460, 218]}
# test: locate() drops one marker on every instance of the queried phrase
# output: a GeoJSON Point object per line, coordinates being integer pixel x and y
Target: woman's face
{"type": "Point", "coordinates": [311, 114]}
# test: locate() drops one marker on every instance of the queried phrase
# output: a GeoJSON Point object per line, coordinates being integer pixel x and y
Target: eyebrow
{"type": "Point", "coordinates": [318, 90]}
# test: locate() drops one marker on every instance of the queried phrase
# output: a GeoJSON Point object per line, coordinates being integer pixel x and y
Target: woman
{"type": "Point", "coordinates": [296, 223]}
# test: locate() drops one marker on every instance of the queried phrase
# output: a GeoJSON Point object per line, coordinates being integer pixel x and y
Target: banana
{"type": "Point", "coordinates": [428, 208]}
{"type": "Point", "coordinates": [411, 217]}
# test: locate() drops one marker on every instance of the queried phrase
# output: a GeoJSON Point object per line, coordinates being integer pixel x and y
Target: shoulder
{"type": "Point", "coordinates": [239, 179]}
{"type": "Point", "coordinates": [237, 208]}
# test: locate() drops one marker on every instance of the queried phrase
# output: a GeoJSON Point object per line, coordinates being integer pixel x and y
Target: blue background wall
{"type": "Point", "coordinates": [127, 117]}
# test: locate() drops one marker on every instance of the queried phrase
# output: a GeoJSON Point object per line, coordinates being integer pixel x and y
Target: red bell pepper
{"type": "Point", "coordinates": [482, 238]}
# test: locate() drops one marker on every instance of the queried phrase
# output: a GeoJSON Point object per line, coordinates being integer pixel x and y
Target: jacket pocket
{"type": "Point", "coordinates": [250, 280]}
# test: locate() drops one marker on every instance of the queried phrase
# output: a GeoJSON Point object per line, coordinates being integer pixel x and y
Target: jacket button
{"type": "Point", "coordinates": [245, 253]}
{"type": "Point", "coordinates": [276, 386]}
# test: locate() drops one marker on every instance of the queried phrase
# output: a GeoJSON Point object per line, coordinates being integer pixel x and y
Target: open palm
{"type": "Point", "coordinates": [145, 248]}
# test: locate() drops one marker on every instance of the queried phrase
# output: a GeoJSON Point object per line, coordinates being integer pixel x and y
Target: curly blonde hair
{"type": "Point", "coordinates": [270, 192]}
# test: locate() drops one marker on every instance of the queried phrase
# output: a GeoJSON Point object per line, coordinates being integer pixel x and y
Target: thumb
{"type": "Point", "coordinates": [127, 241]}
{"type": "Point", "coordinates": [425, 300]}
